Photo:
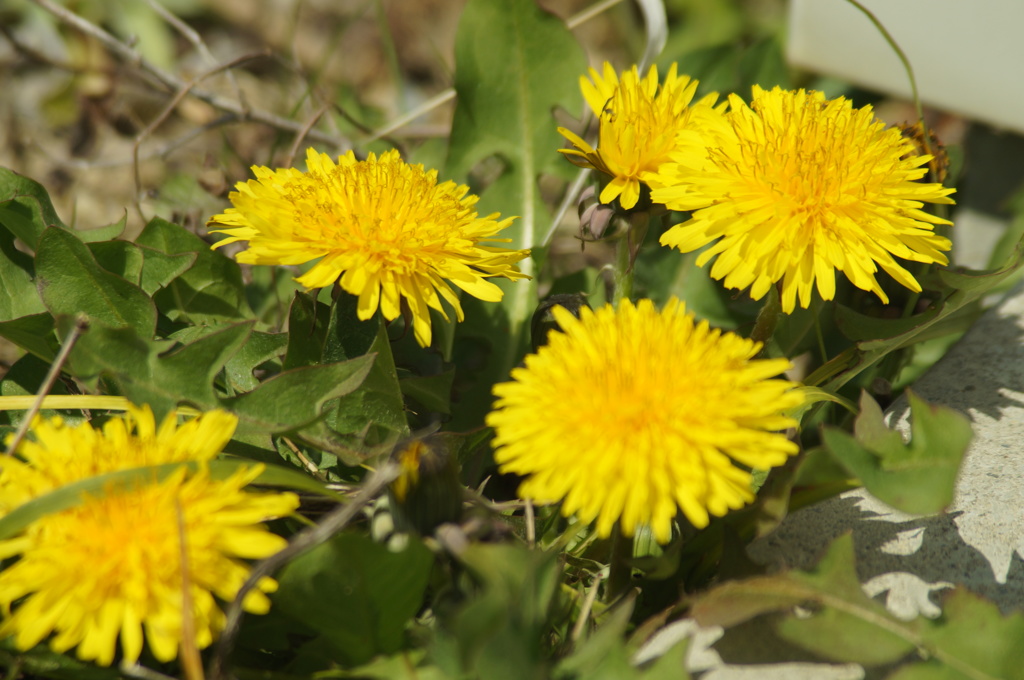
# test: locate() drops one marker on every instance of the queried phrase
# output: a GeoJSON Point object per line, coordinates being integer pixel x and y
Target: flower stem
{"type": "Point", "coordinates": [622, 276]}
{"type": "Point", "coordinates": [625, 253]}
{"type": "Point", "coordinates": [620, 572]}
{"type": "Point", "coordinates": [767, 319]}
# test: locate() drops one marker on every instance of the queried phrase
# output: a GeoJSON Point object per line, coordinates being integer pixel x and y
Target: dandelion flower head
{"type": "Point", "coordinates": [632, 415]}
{"type": "Point", "coordinates": [385, 230]}
{"type": "Point", "coordinates": [641, 125]}
{"type": "Point", "coordinates": [801, 187]}
{"type": "Point", "coordinates": [111, 567]}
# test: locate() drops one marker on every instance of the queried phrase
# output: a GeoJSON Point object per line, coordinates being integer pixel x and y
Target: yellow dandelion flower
{"type": "Point", "coordinates": [385, 228]}
{"type": "Point", "coordinates": [59, 454]}
{"type": "Point", "coordinates": [631, 415]}
{"type": "Point", "coordinates": [801, 187]}
{"type": "Point", "coordinates": [111, 566]}
{"type": "Point", "coordinates": [641, 125]}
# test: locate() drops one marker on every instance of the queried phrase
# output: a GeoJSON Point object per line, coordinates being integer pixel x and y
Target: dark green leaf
{"type": "Point", "coordinates": [671, 665]}
{"type": "Point", "coordinates": [111, 231]}
{"type": "Point", "coordinates": [18, 294]}
{"type": "Point", "coordinates": [967, 290]}
{"type": "Point", "coordinates": [119, 257]}
{"type": "Point", "coordinates": [603, 654]}
{"type": "Point", "coordinates": [856, 326]}
{"type": "Point", "coordinates": [918, 477]}
{"type": "Point", "coordinates": [433, 391]}
{"type": "Point", "coordinates": [971, 640]}
{"type": "Point", "coordinates": [71, 282]}
{"type": "Point", "coordinates": [376, 408]}
{"type": "Point", "coordinates": [210, 292]}
{"type": "Point", "coordinates": [307, 331]}
{"type": "Point", "coordinates": [347, 335]}
{"type": "Point", "coordinates": [295, 398]}
{"type": "Point", "coordinates": [514, 64]}
{"type": "Point", "coordinates": [498, 630]}
{"type": "Point", "coordinates": [260, 348]}
{"type": "Point", "coordinates": [845, 625]}
{"type": "Point", "coordinates": [356, 593]}
{"type": "Point", "coordinates": [147, 373]}
{"type": "Point", "coordinates": [25, 208]}
{"type": "Point", "coordinates": [159, 269]}
{"type": "Point", "coordinates": [33, 333]}
{"type": "Point", "coordinates": [42, 662]}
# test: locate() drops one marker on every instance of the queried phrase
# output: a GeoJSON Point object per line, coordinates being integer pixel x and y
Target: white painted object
{"type": "Point", "coordinates": [967, 56]}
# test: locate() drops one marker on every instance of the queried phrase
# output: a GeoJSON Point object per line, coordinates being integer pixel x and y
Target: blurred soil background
{"type": "Point", "coordinates": [75, 114]}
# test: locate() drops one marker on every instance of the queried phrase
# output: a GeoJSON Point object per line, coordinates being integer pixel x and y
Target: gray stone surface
{"type": "Point", "coordinates": [905, 560]}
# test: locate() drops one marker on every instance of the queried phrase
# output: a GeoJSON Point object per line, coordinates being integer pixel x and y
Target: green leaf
{"type": "Point", "coordinates": [111, 231]}
{"type": "Point", "coordinates": [347, 335]}
{"type": "Point", "coordinates": [514, 64]}
{"type": "Point", "coordinates": [307, 331]}
{"type": "Point", "coordinates": [33, 333]}
{"type": "Point", "coordinates": [671, 665]}
{"type": "Point", "coordinates": [25, 208]}
{"type": "Point", "coordinates": [275, 476]}
{"type": "Point", "coordinates": [376, 408]}
{"type": "Point", "coordinates": [295, 398]}
{"type": "Point", "coordinates": [918, 477]}
{"type": "Point", "coordinates": [18, 294]}
{"type": "Point", "coordinates": [42, 662]}
{"type": "Point", "coordinates": [496, 633]}
{"type": "Point", "coordinates": [119, 257]}
{"type": "Point", "coordinates": [950, 314]}
{"type": "Point", "coordinates": [356, 593]}
{"type": "Point", "coordinates": [603, 654]}
{"type": "Point", "coordinates": [258, 349]}
{"type": "Point", "coordinates": [840, 623]}
{"type": "Point", "coordinates": [845, 625]}
{"type": "Point", "coordinates": [71, 282]}
{"type": "Point", "coordinates": [434, 392]}
{"type": "Point", "coordinates": [973, 641]}
{"type": "Point", "coordinates": [210, 292]}
{"type": "Point", "coordinates": [147, 373]}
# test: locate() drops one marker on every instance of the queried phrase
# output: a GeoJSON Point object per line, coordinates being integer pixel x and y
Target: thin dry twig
{"type": "Point", "coordinates": [531, 527]}
{"type": "Point", "coordinates": [81, 326]}
{"type": "Point", "coordinates": [312, 469]}
{"type": "Point", "coordinates": [294, 149]}
{"type": "Point", "coordinates": [193, 37]}
{"type": "Point", "coordinates": [184, 91]}
{"type": "Point", "coordinates": [332, 523]}
{"type": "Point", "coordinates": [134, 670]}
{"type": "Point", "coordinates": [588, 605]}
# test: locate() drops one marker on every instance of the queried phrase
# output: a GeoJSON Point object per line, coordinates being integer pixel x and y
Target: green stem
{"type": "Point", "coordinates": [906, 67]}
{"type": "Point", "coordinates": [625, 254]}
{"type": "Point", "coordinates": [622, 276]}
{"type": "Point", "coordinates": [767, 319]}
{"type": "Point", "coordinates": [620, 572]}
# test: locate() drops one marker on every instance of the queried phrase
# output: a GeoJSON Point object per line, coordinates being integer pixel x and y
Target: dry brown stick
{"type": "Point", "coordinates": [172, 83]}
{"type": "Point", "coordinates": [191, 663]}
{"type": "Point", "coordinates": [294, 149]}
{"type": "Point", "coordinates": [332, 523]}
